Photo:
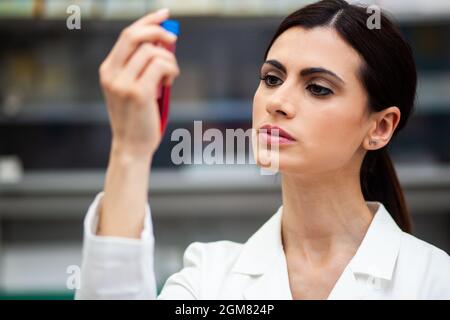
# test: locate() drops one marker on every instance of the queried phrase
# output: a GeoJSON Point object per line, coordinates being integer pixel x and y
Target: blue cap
{"type": "Point", "coordinates": [171, 26]}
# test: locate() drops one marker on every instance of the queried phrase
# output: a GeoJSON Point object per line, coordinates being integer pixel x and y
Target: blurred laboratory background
{"type": "Point", "coordinates": [55, 137]}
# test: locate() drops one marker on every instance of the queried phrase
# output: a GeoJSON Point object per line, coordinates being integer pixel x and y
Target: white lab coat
{"type": "Point", "coordinates": [389, 264]}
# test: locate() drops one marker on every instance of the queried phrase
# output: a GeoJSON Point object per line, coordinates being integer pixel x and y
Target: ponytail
{"type": "Point", "coordinates": [379, 182]}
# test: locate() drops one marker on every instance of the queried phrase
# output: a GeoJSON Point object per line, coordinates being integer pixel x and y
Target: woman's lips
{"type": "Point", "coordinates": [274, 135]}
{"type": "Point", "coordinates": [271, 140]}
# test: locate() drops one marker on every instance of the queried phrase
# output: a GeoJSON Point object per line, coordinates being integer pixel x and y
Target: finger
{"type": "Point", "coordinates": [155, 17]}
{"type": "Point", "coordinates": [142, 57]}
{"type": "Point", "coordinates": [131, 38]}
{"type": "Point", "coordinates": [158, 70]}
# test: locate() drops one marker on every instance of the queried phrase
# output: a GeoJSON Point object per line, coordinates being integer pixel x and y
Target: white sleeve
{"type": "Point", "coordinates": [116, 267]}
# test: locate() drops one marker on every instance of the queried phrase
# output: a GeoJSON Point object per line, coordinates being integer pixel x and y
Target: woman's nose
{"type": "Point", "coordinates": [277, 105]}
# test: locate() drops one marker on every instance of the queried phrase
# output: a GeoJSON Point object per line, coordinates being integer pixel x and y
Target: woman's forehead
{"type": "Point", "coordinates": [299, 48]}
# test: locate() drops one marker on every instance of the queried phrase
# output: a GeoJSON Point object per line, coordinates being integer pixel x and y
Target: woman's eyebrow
{"type": "Point", "coordinates": [306, 71]}
{"type": "Point", "coordinates": [309, 71]}
{"type": "Point", "coordinates": [276, 64]}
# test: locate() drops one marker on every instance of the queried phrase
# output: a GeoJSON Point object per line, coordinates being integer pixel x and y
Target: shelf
{"type": "Point", "coordinates": [196, 191]}
{"type": "Point", "coordinates": [96, 112]}
{"type": "Point", "coordinates": [131, 9]}
{"type": "Point", "coordinates": [37, 270]}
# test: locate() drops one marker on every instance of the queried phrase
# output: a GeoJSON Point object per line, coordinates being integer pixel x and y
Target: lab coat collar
{"type": "Point", "coordinates": [263, 255]}
{"type": "Point", "coordinates": [377, 253]}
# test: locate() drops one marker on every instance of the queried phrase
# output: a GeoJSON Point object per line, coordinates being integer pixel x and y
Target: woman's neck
{"type": "Point", "coordinates": [323, 215]}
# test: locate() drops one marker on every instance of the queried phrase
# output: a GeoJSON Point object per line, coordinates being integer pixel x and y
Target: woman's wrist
{"type": "Point", "coordinates": [122, 210]}
{"type": "Point", "coordinates": [130, 154]}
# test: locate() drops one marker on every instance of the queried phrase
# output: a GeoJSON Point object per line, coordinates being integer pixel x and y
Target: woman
{"type": "Point", "coordinates": [340, 91]}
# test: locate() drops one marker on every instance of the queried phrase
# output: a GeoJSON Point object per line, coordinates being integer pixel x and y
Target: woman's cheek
{"type": "Point", "coordinates": [346, 138]}
{"type": "Point", "coordinates": [258, 110]}
{"type": "Point", "coordinates": [330, 141]}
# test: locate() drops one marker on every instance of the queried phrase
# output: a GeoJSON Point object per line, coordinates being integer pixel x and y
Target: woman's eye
{"type": "Point", "coordinates": [317, 90]}
{"type": "Point", "coordinates": [270, 80]}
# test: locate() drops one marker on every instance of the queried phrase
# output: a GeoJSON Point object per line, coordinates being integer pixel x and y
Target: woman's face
{"type": "Point", "coordinates": [312, 91]}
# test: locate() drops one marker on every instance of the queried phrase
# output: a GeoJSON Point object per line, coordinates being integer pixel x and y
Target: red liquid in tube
{"type": "Point", "coordinates": [163, 90]}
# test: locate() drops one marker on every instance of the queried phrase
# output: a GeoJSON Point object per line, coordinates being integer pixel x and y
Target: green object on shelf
{"type": "Point", "coordinates": [16, 8]}
{"type": "Point", "coordinates": [37, 295]}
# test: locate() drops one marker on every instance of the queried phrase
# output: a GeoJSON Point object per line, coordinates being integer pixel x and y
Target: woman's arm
{"type": "Point", "coordinates": [122, 209]}
{"type": "Point", "coordinates": [118, 242]}
{"type": "Point", "coordinates": [129, 77]}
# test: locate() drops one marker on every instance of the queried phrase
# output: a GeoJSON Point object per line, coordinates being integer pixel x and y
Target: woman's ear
{"type": "Point", "coordinates": [384, 124]}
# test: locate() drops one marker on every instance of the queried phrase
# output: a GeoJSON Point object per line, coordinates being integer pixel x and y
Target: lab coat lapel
{"type": "Point", "coordinates": [372, 267]}
{"type": "Point", "coordinates": [347, 287]}
{"type": "Point", "coordinates": [377, 254]}
{"type": "Point", "coordinates": [272, 285]}
{"type": "Point", "coordinates": [262, 258]}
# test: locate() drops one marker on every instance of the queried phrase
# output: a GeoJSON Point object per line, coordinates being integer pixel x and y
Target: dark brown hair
{"type": "Point", "coordinates": [389, 76]}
